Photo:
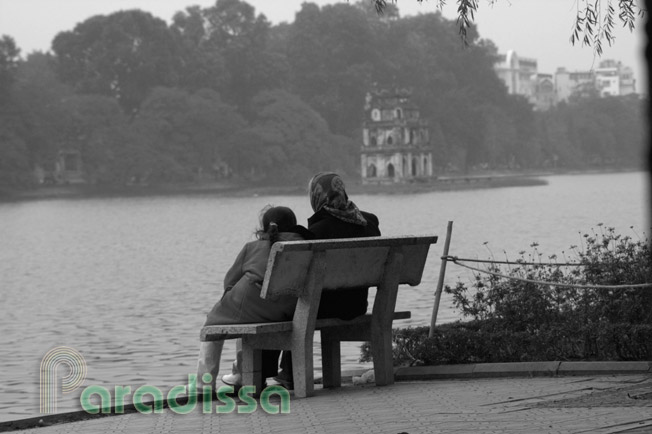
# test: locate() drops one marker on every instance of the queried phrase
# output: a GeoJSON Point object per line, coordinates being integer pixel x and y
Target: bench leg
{"type": "Point", "coordinates": [381, 350]}
{"type": "Point", "coordinates": [252, 367]}
{"type": "Point", "coordinates": [208, 361]}
{"type": "Point", "coordinates": [302, 371]}
{"type": "Point", "coordinates": [331, 361]}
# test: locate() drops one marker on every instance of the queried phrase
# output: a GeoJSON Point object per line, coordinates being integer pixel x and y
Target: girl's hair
{"type": "Point", "coordinates": [275, 219]}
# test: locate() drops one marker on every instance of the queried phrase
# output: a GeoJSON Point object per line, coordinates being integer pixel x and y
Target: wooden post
{"type": "Point", "coordinates": [440, 283]}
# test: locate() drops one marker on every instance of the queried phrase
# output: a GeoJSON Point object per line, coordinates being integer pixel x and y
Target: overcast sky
{"type": "Point", "coordinates": [537, 29]}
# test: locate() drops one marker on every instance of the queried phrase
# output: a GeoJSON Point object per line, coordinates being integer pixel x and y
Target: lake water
{"type": "Point", "coordinates": [127, 281]}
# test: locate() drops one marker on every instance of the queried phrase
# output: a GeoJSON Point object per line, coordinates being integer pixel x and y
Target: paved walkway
{"type": "Point", "coordinates": [546, 404]}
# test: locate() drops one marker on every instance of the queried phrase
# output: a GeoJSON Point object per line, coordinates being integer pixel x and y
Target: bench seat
{"type": "Point", "coordinates": [234, 331]}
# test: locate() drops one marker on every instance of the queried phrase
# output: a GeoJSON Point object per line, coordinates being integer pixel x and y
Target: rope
{"type": "Point", "coordinates": [539, 282]}
{"type": "Point", "coordinates": [487, 261]}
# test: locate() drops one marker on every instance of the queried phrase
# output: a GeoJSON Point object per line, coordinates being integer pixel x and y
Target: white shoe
{"type": "Point", "coordinates": [232, 379]}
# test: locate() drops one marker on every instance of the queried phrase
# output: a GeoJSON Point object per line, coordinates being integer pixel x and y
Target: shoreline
{"type": "Point", "coordinates": [471, 181]}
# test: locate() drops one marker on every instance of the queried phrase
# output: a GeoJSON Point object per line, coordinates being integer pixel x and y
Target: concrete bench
{"type": "Point", "coordinates": [303, 269]}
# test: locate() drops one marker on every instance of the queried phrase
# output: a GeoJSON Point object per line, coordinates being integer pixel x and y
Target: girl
{"type": "Point", "coordinates": [241, 302]}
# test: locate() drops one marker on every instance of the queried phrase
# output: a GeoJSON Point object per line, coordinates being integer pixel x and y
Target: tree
{"type": "Point", "coordinates": [14, 164]}
{"type": "Point", "coordinates": [123, 55]}
{"type": "Point", "coordinates": [87, 125]}
{"type": "Point", "coordinates": [9, 57]}
{"type": "Point", "coordinates": [593, 132]}
{"type": "Point", "coordinates": [455, 87]}
{"type": "Point", "coordinates": [14, 159]}
{"type": "Point", "coordinates": [203, 67]}
{"type": "Point", "coordinates": [332, 52]}
{"type": "Point", "coordinates": [187, 132]}
{"type": "Point", "coordinates": [287, 142]}
{"type": "Point", "coordinates": [40, 97]}
{"type": "Point", "coordinates": [608, 130]}
{"type": "Point", "coordinates": [233, 31]}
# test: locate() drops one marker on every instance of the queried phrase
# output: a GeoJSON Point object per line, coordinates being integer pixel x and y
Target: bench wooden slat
{"type": "Point", "coordinates": [233, 331]}
{"type": "Point", "coordinates": [348, 243]}
{"type": "Point", "coordinates": [351, 262]}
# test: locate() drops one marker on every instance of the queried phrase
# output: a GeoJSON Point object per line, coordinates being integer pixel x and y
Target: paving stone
{"type": "Point", "coordinates": [464, 405]}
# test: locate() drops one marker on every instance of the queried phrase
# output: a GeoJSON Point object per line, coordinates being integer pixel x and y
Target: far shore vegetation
{"type": "Point", "coordinates": [232, 189]}
{"type": "Point", "coordinates": [221, 95]}
{"type": "Point", "coordinates": [509, 320]}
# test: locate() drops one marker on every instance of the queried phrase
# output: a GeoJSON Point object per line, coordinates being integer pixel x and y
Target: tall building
{"type": "Point", "coordinates": [521, 76]}
{"type": "Point", "coordinates": [517, 73]}
{"type": "Point", "coordinates": [395, 140]}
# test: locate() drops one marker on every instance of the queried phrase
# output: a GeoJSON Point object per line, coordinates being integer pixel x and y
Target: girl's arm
{"type": "Point", "coordinates": [235, 272]}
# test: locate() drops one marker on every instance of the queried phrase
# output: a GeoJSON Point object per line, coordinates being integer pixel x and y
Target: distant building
{"type": "Point", "coordinates": [544, 96]}
{"type": "Point", "coordinates": [66, 168]}
{"type": "Point", "coordinates": [521, 77]}
{"type": "Point", "coordinates": [610, 78]}
{"type": "Point", "coordinates": [581, 83]}
{"type": "Point", "coordinates": [395, 140]}
{"type": "Point", "coordinates": [517, 73]}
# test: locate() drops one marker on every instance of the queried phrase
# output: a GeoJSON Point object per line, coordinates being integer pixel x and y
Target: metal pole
{"type": "Point", "coordinates": [440, 283]}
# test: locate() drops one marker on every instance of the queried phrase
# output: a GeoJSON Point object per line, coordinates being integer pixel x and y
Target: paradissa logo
{"type": "Point", "coordinates": [224, 396]}
{"type": "Point", "coordinates": [50, 364]}
{"type": "Point", "coordinates": [77, 369]}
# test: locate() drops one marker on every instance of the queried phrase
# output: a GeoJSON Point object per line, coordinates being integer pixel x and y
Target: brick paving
{"type": "Point", "coordinates": [545, 404]}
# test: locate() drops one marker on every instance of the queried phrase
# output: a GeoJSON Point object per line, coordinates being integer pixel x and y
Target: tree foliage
{"type": "Point", "coordinates": [186, 131]}
{"type": "Point", "coordinates": [123, 55]}
{"type": "Point", "coordinates": [287, 141]}
{"type": "Point", "coordinates": [228, 45]}
{"type": "Point", "coordinates": [221, 93]}
{"type": "Point", "coordinates": [9, 57]}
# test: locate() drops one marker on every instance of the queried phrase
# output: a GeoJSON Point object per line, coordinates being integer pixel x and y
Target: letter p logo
{"type": "Point", "coordinates": [75, 376]}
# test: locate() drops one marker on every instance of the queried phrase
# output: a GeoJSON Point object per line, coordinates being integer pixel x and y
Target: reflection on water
{"type": "Point", "coordinates": [127, 281]}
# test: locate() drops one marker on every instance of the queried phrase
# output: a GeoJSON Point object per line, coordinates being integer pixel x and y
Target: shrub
{"type": "Point", "coordinates": [513, 320]}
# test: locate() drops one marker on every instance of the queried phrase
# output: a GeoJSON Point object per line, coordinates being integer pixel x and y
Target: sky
{"type": "Point", "coordinates": [538, 29]}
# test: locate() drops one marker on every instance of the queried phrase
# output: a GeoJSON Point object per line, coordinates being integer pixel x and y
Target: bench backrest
{"type": "Point", "coordinates": [304, 268]}
{"type": "Point", "coordinates": [344, 263]}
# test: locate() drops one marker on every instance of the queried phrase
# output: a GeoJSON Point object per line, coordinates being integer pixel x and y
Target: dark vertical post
{"type": "Point", "coordinates": [648, 59]}
{"type": "Point", "coordinates": [442, 273]}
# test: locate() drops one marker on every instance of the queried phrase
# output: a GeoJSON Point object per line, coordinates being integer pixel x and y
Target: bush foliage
{"type": "Point", "coordinates": [511, 320]}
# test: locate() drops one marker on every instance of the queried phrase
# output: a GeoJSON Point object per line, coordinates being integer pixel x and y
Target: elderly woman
{"type": "Point", "coordinates": [335, 216]}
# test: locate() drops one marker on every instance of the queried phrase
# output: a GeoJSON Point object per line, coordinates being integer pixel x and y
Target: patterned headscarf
{"type": "Point", "coordinates": [327, 192]}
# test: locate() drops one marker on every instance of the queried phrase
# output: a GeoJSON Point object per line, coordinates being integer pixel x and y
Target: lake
{"type": "Point", "coordinates": [127, 281]}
